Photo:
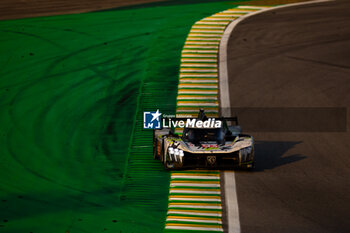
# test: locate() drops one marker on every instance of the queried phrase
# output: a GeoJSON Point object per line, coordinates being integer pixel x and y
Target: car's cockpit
{"type": "Point", "coordinates": [197, 135]}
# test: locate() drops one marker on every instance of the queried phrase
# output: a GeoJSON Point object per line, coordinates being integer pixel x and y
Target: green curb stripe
{"type": "Point", "coordinates": [197, 88]}
{"type": "Point", "coordinates": [198, 53]}
{"type": "Point", "coordinates": [198, 100]}
{"type": "Point", "coordinates": [209, 95]}
{"type": "Point", "coordinates": [187, 82]}
{"type": "Point", "coordinates": [200, 180]}
{"type": "Point", "coordinates": [188, 201]}
{"type": "Point", "coordinates": [194, 41]}
{"type": "Point", "coordinates": [213, 35]}
{"type": "Point", "coordinates": [194, 209]}
{"type": "Point", "coordinates": [194, 194]}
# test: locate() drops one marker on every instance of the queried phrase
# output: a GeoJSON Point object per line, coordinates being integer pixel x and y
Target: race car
{"type": "Point", "coordinates": [204, 147]}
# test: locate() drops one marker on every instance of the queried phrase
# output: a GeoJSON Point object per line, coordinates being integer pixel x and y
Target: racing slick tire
{"type": "Point", "coordinates": [165, 162]}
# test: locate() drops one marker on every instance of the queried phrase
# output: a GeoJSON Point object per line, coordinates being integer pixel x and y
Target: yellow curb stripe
{"type": "Point", "coordinates": [193, 218]}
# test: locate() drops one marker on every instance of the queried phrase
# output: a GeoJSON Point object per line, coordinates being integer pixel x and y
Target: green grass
{"type": "Point", "coordinates": [72, 92]}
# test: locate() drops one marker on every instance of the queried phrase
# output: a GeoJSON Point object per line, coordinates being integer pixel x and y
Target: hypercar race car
{"type": "Point", "coordinates": [219, 146]}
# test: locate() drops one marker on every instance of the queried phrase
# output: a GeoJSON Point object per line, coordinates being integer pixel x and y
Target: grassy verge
{"type": "Point", "coordinates": [72, 93]}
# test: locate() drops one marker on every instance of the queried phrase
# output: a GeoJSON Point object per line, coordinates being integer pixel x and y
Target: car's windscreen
{"type": "Point", "coordinates": [197, 135]}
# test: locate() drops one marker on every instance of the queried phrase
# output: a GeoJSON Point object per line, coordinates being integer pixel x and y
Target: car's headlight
{"type": "Point", "coordinates": [176, 154]}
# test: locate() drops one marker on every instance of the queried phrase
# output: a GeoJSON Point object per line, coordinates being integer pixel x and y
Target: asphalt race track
{"type": "Point", "coordinates": [15, 9]}
{"type": "Point", "coordinates": [294, 57]}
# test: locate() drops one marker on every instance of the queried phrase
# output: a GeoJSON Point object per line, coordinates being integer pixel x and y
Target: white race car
{"type": "Point", "coordinates": [212, 147]}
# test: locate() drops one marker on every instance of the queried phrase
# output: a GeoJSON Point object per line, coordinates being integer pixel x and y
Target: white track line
{"type": "Point", "coordinates": [230, 183]}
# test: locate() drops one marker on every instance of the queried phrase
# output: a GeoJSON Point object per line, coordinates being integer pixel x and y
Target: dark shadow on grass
{"type": "Point", "coordinates": [164, 3]}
